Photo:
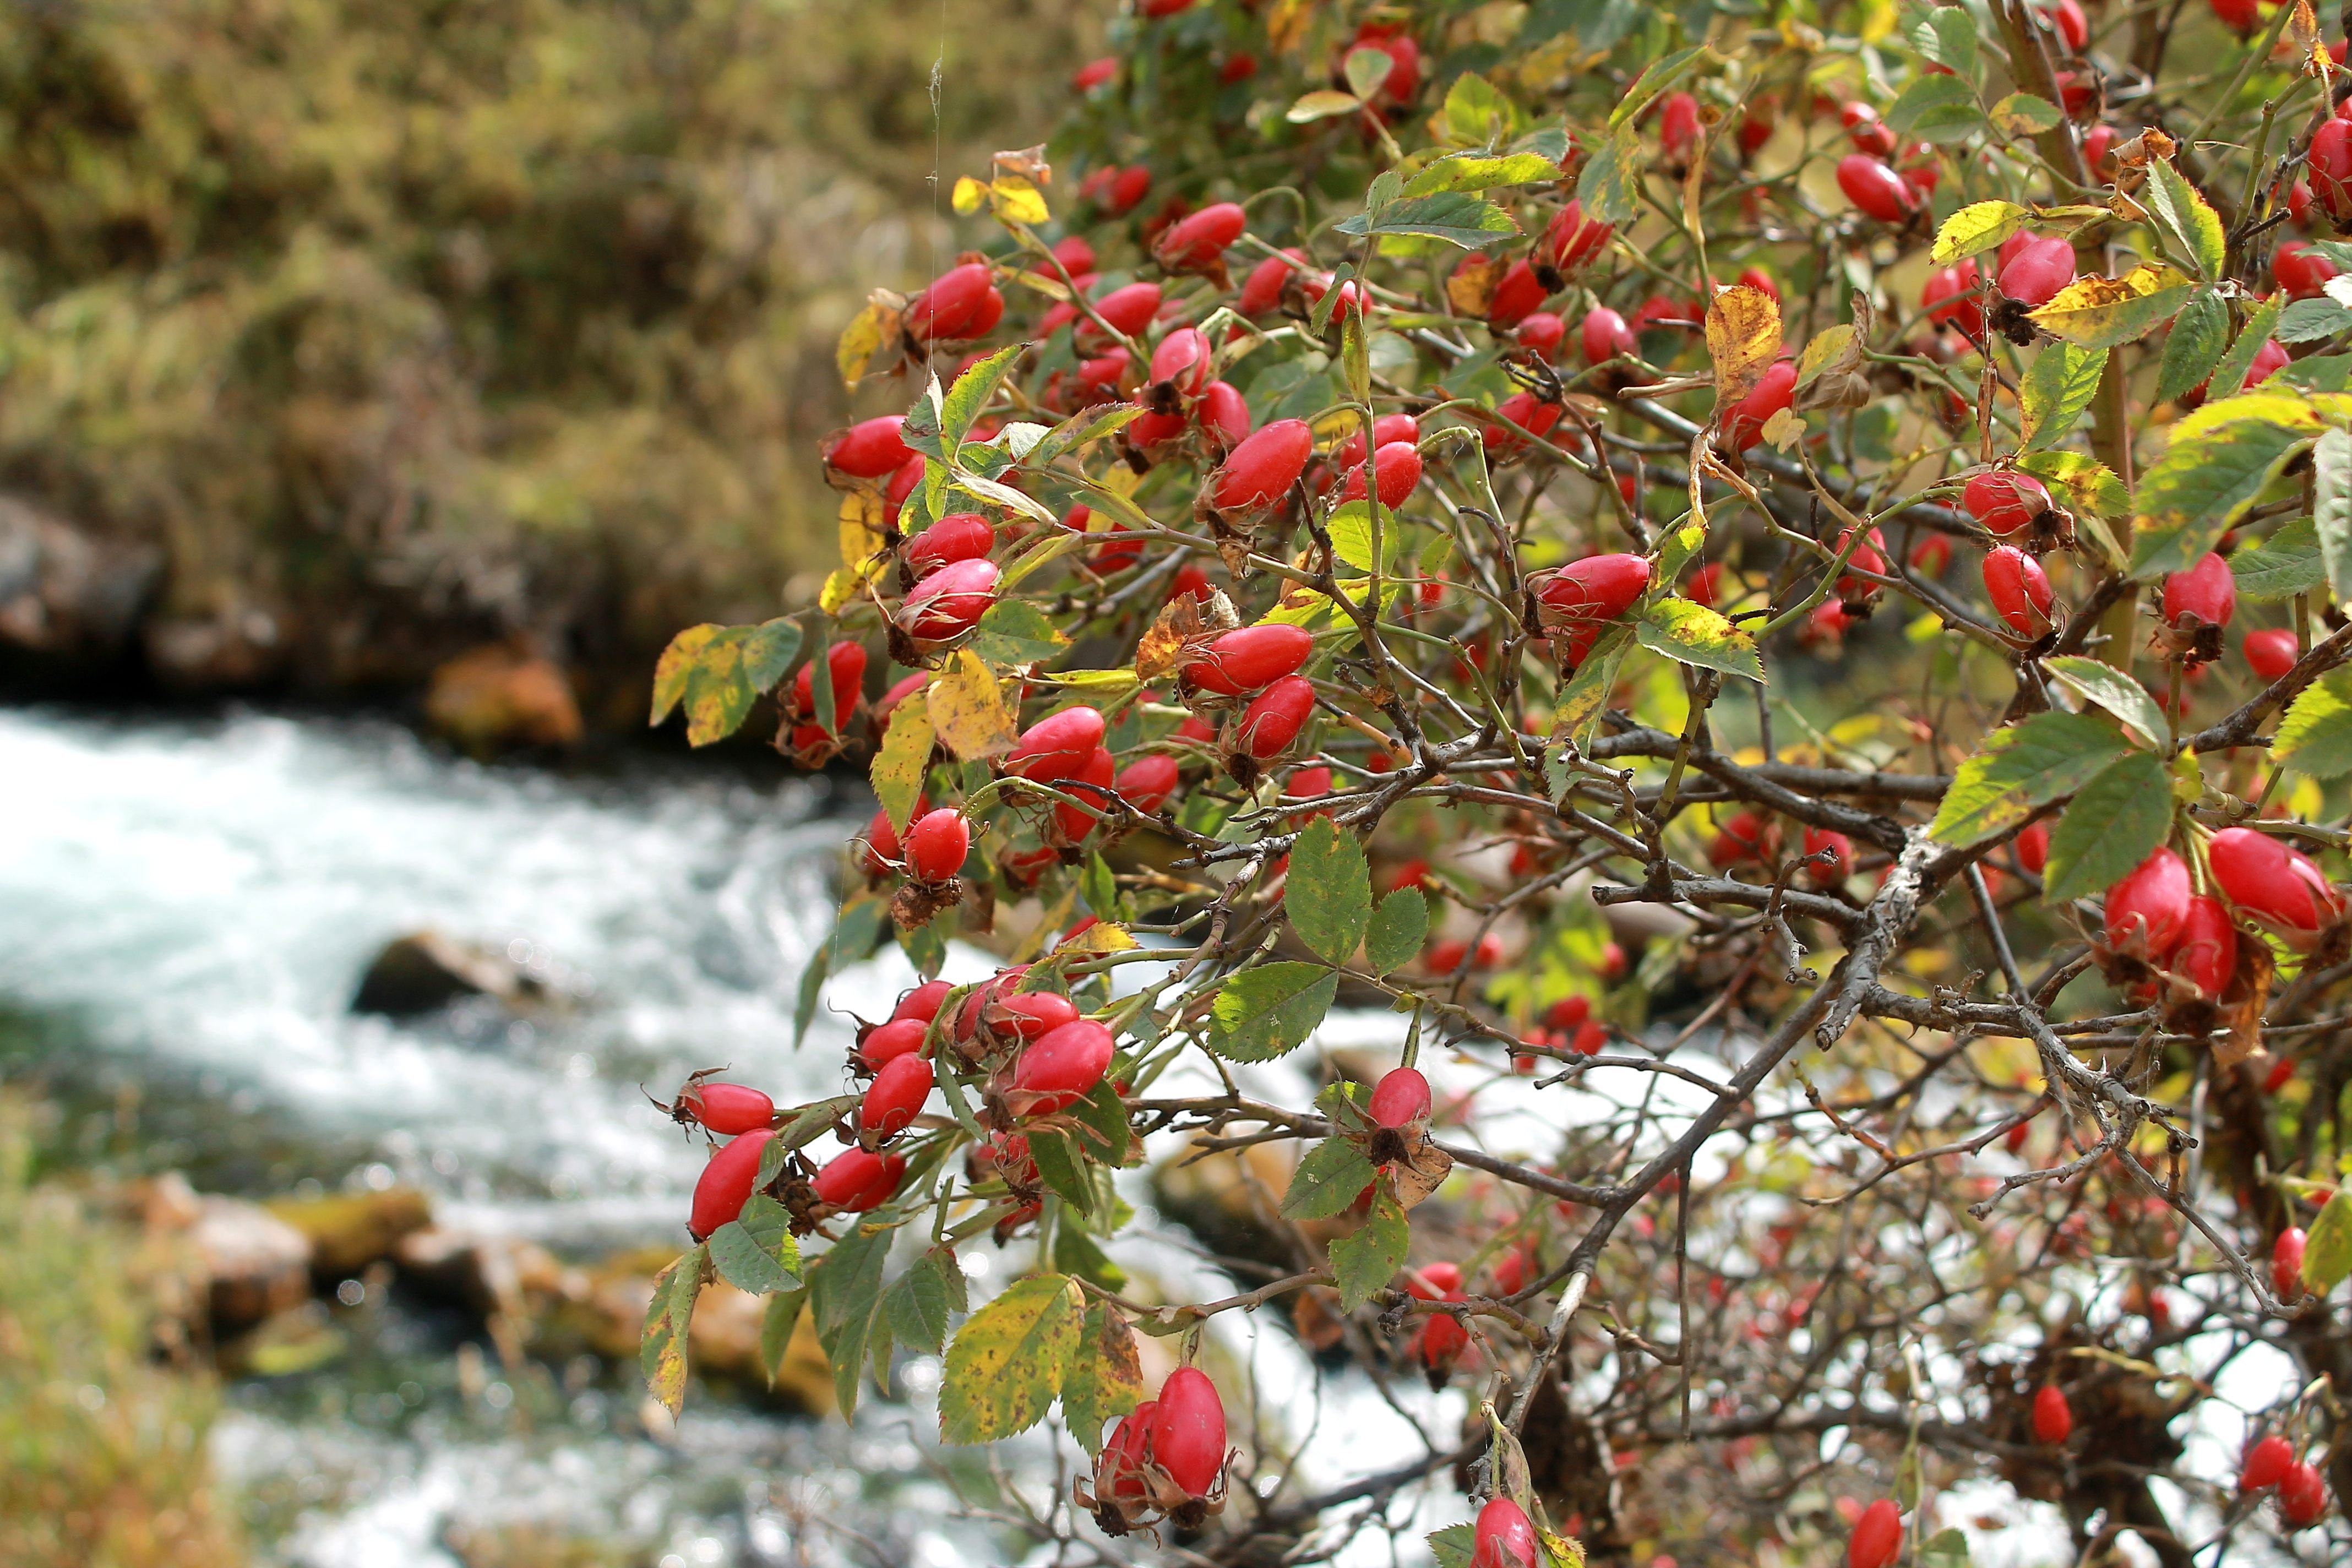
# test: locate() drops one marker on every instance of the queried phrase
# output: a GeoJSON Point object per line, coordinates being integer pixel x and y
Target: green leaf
{"type": "Point", "coordinates": [960, 409]}
{"type": "Point", "coordinates": [1947, 35]}
{"type": "Point", "coordinates": [853, 938]}
{"type": "Point", "coordinates": [1610, 185]}
{"type": "Point", "coordinates": [2024, 114]}
{"type": "Point", "coordinates": [1976, 228]}
{"type": "Point", "coordinates": [1321, 104]}
{"type": "Point", "coordinates": [1327, 1182]}
{"type": "Point", "coordinates": [1064, 1172]}
{"type": "Point", "coordinates": [2090, 486]}
{"type": "Point", "coordinates": [1085, 426]}
{"type": "Point", "coordinates": [1264, 1013]}
{"type": "Point", "coordinates": [1009, 1359]}
{"type": "Point", "coordinates": [1101, 1115]}
{"type": "Point", "coordinates": [2230, 375]}
{"type": "Point", "coordinates": [1328, 894]}
{"type": "Point", "coordinates": [1455, 1545]}
{"type": "Point", "coordinates": [919, 1302]}
{"type": "Point", "coordinates": [2328, 1252]}
{"type": "Point", "coordinates": [1586, 694]}
{"type": "Point", "coordinates": [1016, 631]}
{"type": "Point", "coordinates": [1365, 69]}
{"type": "Point", "coordinates": [2187, 220]}
{"type": "Point", "coordinates": [2114, 690]}
{"type": "Point", "coordinates": [2193, 347]}
{"type": "Point", "coordinates": [776, 1325]}
{"type": "Point", "coordinates": [1350, 528]}
{"type": "Point", "coordinates": [1458, 217]}
{"type": "Point", "coordinates": [2331, 509]}
{"type": "Point", "coordinates": [1661, 75]}
{"type": "Point", "coordinates": [1480, 172]}
{"type": "Point", "coordinates": [2203, 484]}
{"type": "Point", "coordinates": [1936, 109]}
{"type": "Point", "coordinates": [1945, 1549]}
{"type": "Point", "coordinates": [2113, 823]}
{"type": "Point", "coordinates": [2316, 736]}
{"type": "Point", "coordinates": [900, 761]}
{"type": "Point", "coordinates": [1693, 634]}
{"type": "Point", "coordinates": [1477, 115]}
{"type": "Point", "coordinates": [1105, 1378]}
{"type": "Point", "coordinates": [2286, 564]}
{"type": "Point", "coordinates": [2057, 387]}
{"type": "Point", "coordinates": [2022, 768]}
{"type": "Point", "coordinates": [1367, 1261]}
{"type": "Point", "coordinates": [756, 1252]}
{"type": "Point", "coordinates": [1075, 1253]}
{"type": "Point", "coordinates": [2309, 320]}
{"type": "Point", "coordinates": [718, 672]}
{"type": "Point", "coordinates": [1400, 927]}
{"type": "Point", "coordinates": [661, 1352]}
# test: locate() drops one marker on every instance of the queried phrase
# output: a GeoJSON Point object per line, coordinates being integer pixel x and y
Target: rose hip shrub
{"type": "Point", "coordinates": [1770, 584]}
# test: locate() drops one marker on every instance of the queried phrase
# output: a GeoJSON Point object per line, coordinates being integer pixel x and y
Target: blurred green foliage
{"type": "Point", "coordinates": [514, 315]}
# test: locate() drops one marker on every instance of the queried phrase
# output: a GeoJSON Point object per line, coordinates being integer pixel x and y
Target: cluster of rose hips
{"type": "Point", "coordinates": [2302, 1490]}
{"type": "Point", "coordinates": [2165, 941]}
{"type": "Point", "coordinates": [1165, 1459]}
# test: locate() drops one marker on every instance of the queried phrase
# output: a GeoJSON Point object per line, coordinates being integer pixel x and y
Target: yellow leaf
{"type": "Point", "coordinates": [1104, 686]}
{"type": "Point", "coordinates": [2100, 312]}
{"type": "Point", "coordinates": [1322, 104]}
{"type": "Point", "coordinates": [898, 761]}
{"type": "Point", "coordinates": [1285, 24]}
{"type": "Point", "coordinates": [861, 538]}
{"type": "Point", "coordinates": [1743, 337]}
{"type": "Point", "coordinates": [863, 338]}
{"type": "Point", "coordinates": [840, 587]}
{"type": "Point", "coordinates": [967, 709]}
{"type": "Point", "coordinates": [1101, 937]}
{"type": "Point", "coordinates": [1019, 201]}
{"type": "Point", "coordinates": [1785, 428]}
{"type": "Point", "coordinates": [969, 194]}
{"type": "Point", "coordinates": [1976, 227]}
{"type": "Point", "coordinates": [677, 661]}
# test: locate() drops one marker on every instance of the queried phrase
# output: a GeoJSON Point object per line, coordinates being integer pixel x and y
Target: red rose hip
{"type": "Point", "coordinates": [1402, 1097]}
{"type": "Point", "coordinates": [1188, 1431]}
{"type": "Point", "coordinates": [1061, 1065]}
{"type": "Point", "coordinates": [725, 1185]}
{"type": "Point", "coordinates": [937, 843]}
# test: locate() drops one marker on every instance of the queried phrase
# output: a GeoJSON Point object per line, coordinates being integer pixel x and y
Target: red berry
{"type": "Point", "coordinates": [2279, 887]}
{"type": "Point", "coordinates": [1125, 311]}
{"type": "Point", "coordinates": [1056, 746]}
{"type": "Point", "coordinates": [882, 845]}
{"type": "Point", "coordinates": [2239, 15]}
{"type": "Point", "coordinates": [868, 450]}
{"type": "Point", "coordinates": [922, 1003]}
{"type": "Point", "coordinates": [903, 480]}
{"type": "Point", "coordinates": [1062, 1064]}
{"type": "Point", "coordinates": [958, 536]}
{"type": "Point", "coordinates": [2005, 500]}
{"type": "Point", "coordinates": [961, 304]}
{"type": "Point", "coordinates": [1505, 1536]}
{"type": "Point", "coordinates": [937, 844]}
{"type": "Point", "coordinates": [1387, 430]}
{"type": "Point", "coordinates": [894, 1096]}
{"type": "Point", "coordinates": [2042, 267]}
{"type": "Point", "coordinates": [1755, 277]}
{"type": "Point", "coordinates": [1775, 392]}
{"type": "Point", "coordinates": [1073, 822]}
{"type": "Point", "coordinates": [1404, 64]}
{"type": "Point", "coordinates": [2303, 1495]}
{"type": "Point", "coordinates": [2207, 954]}
{"type": "Point", "coordinates": [1678, 126]}
{"type": "Point", "coordinates": [1596, 588]}
{"type": "Point", "coordinates": [1589, 1038]}
{"type": "Point", "coordinates": [1527, 412]}
{"type": "Point", "coordinates": [1518, 295]}
{"type": "Point", "coordinates": [2073, 27]}
{"type": "Point", "coordinates": [1188, 1431]}
{"type": "Point", "coordinates": [1540, 334]}
{"type": "Point", "coordinates": [2020, 590]}
{"type": "Point", "coordinates": [844, 665]}
{"type": "Point", "coordinates": [1571, 241]}
{"type": "Point", "coordinates": [1834, 873]}
{"type": "Point", "coordinates": [2302, 271]}
{"type": "Point", "coordinates": [855, 1180]}
{"type": "Point", "coordinates": [2286, 1262]}
{"type": "Point", "coordinates": [1092, 75]}
{"type": "Point", "coordinates": [1248, 657]}
{"type": "Point", "coordinates": [1866, 131]}
{"type": "Point", "coordinates": [1949, 298]}
{"type": "Point", "coordinates": [2330, 164]}
{"type": "Point", "coordinates": [2148, 907]}
{"type": "Point", "coordinates": [2266, 1465]}
{"type": "Point", "coordinates": [1270, 723]}
{"type": "Point", "coordinates": [1874, 188]}
{"type": "Point", "coordinates": [1877, 1537]}
{"type": "Point", "coordinates": [1400, 1097]}
{"type": "Point", "coordinates": [1128, 187]}
{"type": "Point", "coordinates": [2099, 140]}
{"type": "Point", "coordinates": [1147, 783]}
{"type": "Point", "coordinates": [1399, 467]}
{"type": "Point", "coordinates": [1869, 556]}
{"type": "Point", "coordinates": [1182, 362]}
{"type": "Point", "coordinates": [1127, 1451]}
{"type": "Point", "coordinates": [949, 603]}
{"type": "Point", "coordinates": [726, 1108]}
{"type": "Point", "coordinates": [725, 1185]}
{"type": "Point", "coordinates": [886, 1043]}
{"type": "Point", "coordinates": [1569, 1012]}
{"type": "Point", "coordinates": [1197, 242]}
{"type": "Point", "coordinates": [1605, 335]}
{"type": "Point", "coordinates": [1931, 556]}
{"type": "Point", "coordinates": [1743, 837]}
{"type": "Point", "coordinates": [2204, 596]}
{"type": "Point", "coordinates": [1224, 415]}
{"type": "Point", "coordinates": [2033, 847]}
{"type": "Point", "coordinates": [1261, 290]}
{"type": "Point", "coordinates": [1035, 1013]}
{"type": "Point", "coordinates": [1260, 470]}
{"type": "Point", "coordinates": [2272, 652]}
{"type": "Point", "coordinates": [2053, 1419]}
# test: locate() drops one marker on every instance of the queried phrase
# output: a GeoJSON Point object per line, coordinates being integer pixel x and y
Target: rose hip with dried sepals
{"type": "Point", "coordinates": [949, 603]}
{"type": "Point", "coordinates": [2207, 954]}
{"type": "Point", "coordinates": [1250, 657]}
{"type": "Point", "coordinates": [1198, 243]}
{"type": "Point", "coordinates": [2019, 591]}
{"type": "Point", "coordinates": [1571, 240]}
{"type": "Point", "coordinates": [2148, 907]}
{"type": "Point", "coordinates": [961, 304]}
{"type": "Point", "coordinates": [858, 1180]}
{"type": "Point", "coordinates": [895, 1095]}
{"type": "Point", "coordinates": [1401, 1098]}
{"type": "Point", "coordinates": [725, 1184]}
{"type": "Point", "coordinates": [2279, 888]}
{"type": "Point", "coordinates": [868, 450]}
{"type": "Point", "coordinates": [2005, 500]}
{"type": "Point", "coordinates": [886, 1042]}
{"type": "Point", "coordinates": [1773, 393]}
{"type": "Point", "coordinates": [1258, 473]}
{"type": "Point", "coordinates": [937, 844]}
{"type": "Point", "coordinates": [1874, 188]}
{"type": "Point", "coordinates": [725, 1109]}
{"type": "Point", "coordinates": [958, 536]}
{"type": "Point", "coordinates": [1188, 1431]}
{"type": "Point", "coordinates": [1504, 1537]}
{"type": "Point", "coordinates": [1060, 1067]}
{"type": "Point", "coordinates": [2040, 268]}
{"type": "Point", "coordinates": [1056, 745]}
{"type": "Point", "coordinates": [1272, 722]}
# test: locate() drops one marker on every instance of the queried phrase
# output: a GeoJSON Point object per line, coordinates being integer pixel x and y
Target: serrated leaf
{"type": "Point", "coordinates": [1105, 1378]}
{"type": "Point", "coordinates": [1016, 631]}
{"type": "Point", "coordinates": [919, 1301]}
{"type": "Point", "coordinates": [1328, 894]}
{"type": "Point", "coordinates": [1398, 929]}
{"type": "Point", "coordinates": [1267, 1011]}
{"type": "Point", "coordinates": [1609, 188]}
{"type": "Point", "coordinates": [1008, 1360]}
{"type": "Point", "coordinates": [1661, 75]}
{"type": "Point", "coordinates": [967, 709]}
{"type": "Point", "coordinates": [1976, 228]}
{"type": "Point", "coordinates": [2310, 320]}
{"type": "Point", "coordinates": [1582, 700]}
{"type": "Point", "coordinates": [2115, 822]}
{"type": "Point", "coordinates": [1062, 1169]}
{"type": "Point", "coordinates": [2327, 1251]}
{"type": "Point", "coordinates": [2203, 484]}
{"type": "Point", "coordinates": [2187, 219]}
{"type": "Point", "coordinates": [2331, 509]}
{"type": "Point", "coordinates": [1462, 218]}
{"type": "Point", "coordinates": [2089, 486]}
{"type": "Point", "coordinates": [2314, 737]}
{"type": "Point", "coordinates": [2286, 564]}
{"type": "Point", "coordinates": [1368, 1259]}
{"type": "Point", "coordinates": [1327, 1181]}
{"type": "Point", "coordinates": [1321, 104]}
{"type": "Point", "coordinates": [1103, 1129]}
{"type": "Point", "coordinates": [2193, 347]}
{"type": "Point", "coordinates": [1935, 108]}
{"type": "Point", "coordinates": [720, 672]}
{"type": "Point", "coordinates": [669, 1315]}
{"type": "Point", "coordinates": [1480, 172]}
{"type": "Point", "coordinates": [2230, 375]}
{"type": "Point", "coordinates": [2114, 690]}
{"type": "Point", "coordinates": [1743, 339]}
{"type": "Point", "coordinates": [1947, 35]}
{"type": "Point", "coordinates": [899, 761]}
{"type": "Point", "coordinates": [1350, 529]}
{"type": "Point", "coordinates": [2022, 768]}
{"type": "Point", "coordinates": [1692, 634]}
{"type": "Point", "coordinates": [2057, 387]}
{"type": "Point", "coordinates": [1454, 1546]}
{"type": "Point", "coordinates": [2101, 312]}
{"type": "Point", "coordinates": [1477, 113]}
{"type": "Point", "coordinates": [2023, 114]}
{"type": "Point", "coordinates": [755, 1252]}
{"type": "Point", "coordinates": [781, 1317]}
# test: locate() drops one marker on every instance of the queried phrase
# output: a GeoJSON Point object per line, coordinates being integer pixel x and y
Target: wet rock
{"type": "Point", "coordinates": [348, 1231]}
{"type": "Point", "coordinates": [607, 1314]}
{"type": "Point", "coordinates": [69, 597]}
{"type": "Point", "coordinates": [419, 973]}
{"type": "Point", "coordinates": [253, 1263]}
{"type": "Point", "coordinates": [512, 1286]}
{"type": "Point", "coordinates": [297, 1340]}
{"type": "Point", "coordinates": [496, 697]}
{"type": "Point", "coordinates": [240, 647]}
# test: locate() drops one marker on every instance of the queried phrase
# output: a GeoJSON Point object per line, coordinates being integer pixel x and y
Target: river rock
{"type": "Point", "coordinates": [239, 646]}
{"type": "Point", "coordinates": [496, 697]}
{"type": "Point", "coordinates": [253, 1265]}
{"type": "Point", "coordinates": [68, 596]}
{"type": "Point", "coordinates": [348, 1231]}
{"type": "Point", "coordinates": [427, 970]}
